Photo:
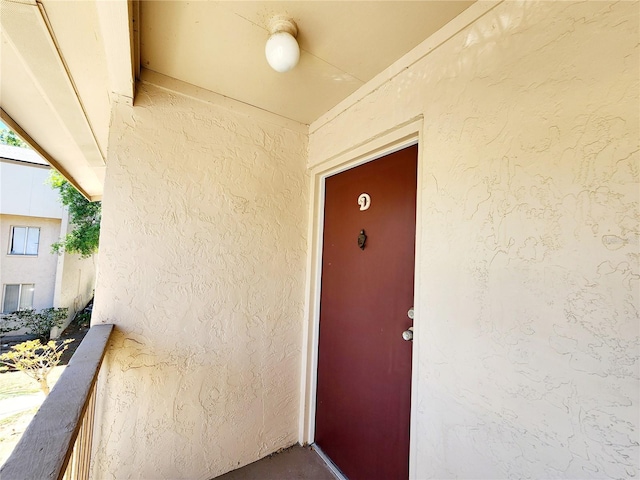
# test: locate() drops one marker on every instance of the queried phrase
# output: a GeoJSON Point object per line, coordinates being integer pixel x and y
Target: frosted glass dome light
{"type": "Point", "coordinates": [282, 50]}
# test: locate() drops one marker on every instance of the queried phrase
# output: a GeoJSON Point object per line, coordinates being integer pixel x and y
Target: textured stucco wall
{"type": "Point", "coordinates": [202, 257]}
{"type": "Point", "coordinates": [40, 269]}
{"type": "Point", "coordinates": [528, 328]}
{"type": "Point", "coordinates": [78, 281]}
{"type": "Point", "coordinates": [75, 283]}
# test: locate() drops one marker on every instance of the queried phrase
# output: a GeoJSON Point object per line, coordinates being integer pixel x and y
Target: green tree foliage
{"type": "Point", "coordinates": [7, 137]}
{"type": "Point", "coordinates": [35, 359]}
{"type": "Point", "coordinates": [84, 215]}
{"type": "Point", "coordinates": [41, 323]}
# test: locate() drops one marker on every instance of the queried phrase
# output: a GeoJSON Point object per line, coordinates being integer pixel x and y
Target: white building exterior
{"type": "Point", "coordinates": [31, 220]}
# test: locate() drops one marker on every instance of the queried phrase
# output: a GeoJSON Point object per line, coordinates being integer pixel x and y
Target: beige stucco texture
{"type": "Point", "coordinates": [527, 329]}
{"type": "Point", "coordinates": [202, 258]}
{"type": "Point", "coordinates": [527, 341]}
{"type": "Point", "coordinates": [75, 285]}
{"type": "Point", "coordinates": [78, 281]}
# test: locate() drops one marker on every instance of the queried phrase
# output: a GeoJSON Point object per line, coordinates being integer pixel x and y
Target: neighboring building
{"type": "Point", "coordinates": [31, 220]}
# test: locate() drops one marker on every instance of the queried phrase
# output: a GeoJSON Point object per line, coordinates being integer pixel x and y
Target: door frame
{"type": "Point", "coordinates": [397, 138]}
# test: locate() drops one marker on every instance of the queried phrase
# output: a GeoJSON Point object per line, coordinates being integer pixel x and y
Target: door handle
{"type": "Point", "coordinates": [407, 335]}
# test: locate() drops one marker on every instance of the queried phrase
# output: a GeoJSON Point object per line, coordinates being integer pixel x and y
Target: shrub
{"type": "Point", "coordinates": [9, 323]}
{"type": "Point", "coordinates": [40, 324]}
{"type": "Point", "coordinates": [83, 318]}
{"type": "Point", "coordinates": [35, 359]}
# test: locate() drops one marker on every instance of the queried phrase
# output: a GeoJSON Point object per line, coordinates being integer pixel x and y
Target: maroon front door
{"type": "Point", "coordinates": [364, 365]}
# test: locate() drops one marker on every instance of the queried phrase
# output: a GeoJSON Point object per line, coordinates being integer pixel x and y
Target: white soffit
{"type": "Point", "coordinates": [77, 33]}
{"type": "Point", "coordinates": [219, 46]}
{"type": "Point", "coordinates": [36, 92]}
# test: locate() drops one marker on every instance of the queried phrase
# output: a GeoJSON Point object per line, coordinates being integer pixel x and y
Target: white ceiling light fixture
{"type": "Point", "coordinates": [282, 50]}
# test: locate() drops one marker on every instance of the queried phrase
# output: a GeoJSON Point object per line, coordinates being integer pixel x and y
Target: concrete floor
{"type": "Point", "coordinates": [294, 463]}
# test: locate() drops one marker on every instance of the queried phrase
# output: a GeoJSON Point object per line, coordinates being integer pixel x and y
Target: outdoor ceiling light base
{"type": "Point", "coordinates": [282, 50]}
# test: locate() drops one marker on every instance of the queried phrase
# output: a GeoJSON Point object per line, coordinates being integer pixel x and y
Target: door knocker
{"type": "Point", "coordinates": [362, 239]}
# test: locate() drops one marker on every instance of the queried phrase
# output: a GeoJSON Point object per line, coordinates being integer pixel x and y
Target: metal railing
{"type": "Point", "coordinates": [57, 442]}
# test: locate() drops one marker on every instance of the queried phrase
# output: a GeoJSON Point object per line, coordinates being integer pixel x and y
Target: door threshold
{"type": "Point", "coordinates": [330, 465]}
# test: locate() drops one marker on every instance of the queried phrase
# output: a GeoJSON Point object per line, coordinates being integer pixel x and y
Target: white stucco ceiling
{"type": "Point", "coordinates": [219, 46]}
{"type": "Point", "coordinates": [65, 62]}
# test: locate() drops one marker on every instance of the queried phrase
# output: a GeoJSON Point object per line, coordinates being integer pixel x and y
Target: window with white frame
{"type": "Point", "coordinates": [17, 297]}
{"type": "Point", "coordinates": [24, 241]}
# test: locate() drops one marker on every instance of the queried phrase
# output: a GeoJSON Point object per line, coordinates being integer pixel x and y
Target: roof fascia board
{"type": "Point", "coordinates": [6, 118]}
{"type": "Point", "coordinates": [23, 162]}
{"type": "Point", "coordinates": [116, 19]}
{"type": "Point", "coordinates": [174, 85]}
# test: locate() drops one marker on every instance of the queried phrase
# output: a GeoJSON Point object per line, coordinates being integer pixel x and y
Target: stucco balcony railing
{"type": "Point", "coordinates": [57, 442]}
